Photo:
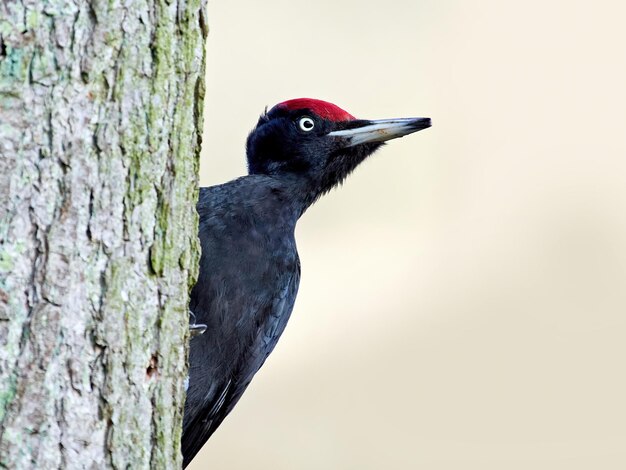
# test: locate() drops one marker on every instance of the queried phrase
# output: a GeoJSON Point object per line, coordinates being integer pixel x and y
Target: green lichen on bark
{"type": "Point", "coordinates": [100, 127]}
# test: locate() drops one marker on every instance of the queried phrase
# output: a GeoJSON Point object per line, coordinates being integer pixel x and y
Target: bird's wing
{"type": "Point", "coordinates": [203, 415]}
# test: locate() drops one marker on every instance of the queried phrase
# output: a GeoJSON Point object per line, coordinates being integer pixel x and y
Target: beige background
{"type": "Point", "coordinates": [463, 296]}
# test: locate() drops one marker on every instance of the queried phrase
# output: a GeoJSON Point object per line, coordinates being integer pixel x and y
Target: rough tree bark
{"type": "Point", "coordinates": [100, 125]}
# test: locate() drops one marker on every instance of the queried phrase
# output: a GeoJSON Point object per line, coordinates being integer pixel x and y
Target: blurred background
{"type": "Point", "coordinates": [463, 295]}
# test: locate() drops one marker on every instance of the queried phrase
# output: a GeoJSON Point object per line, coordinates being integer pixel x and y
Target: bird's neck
{"type": "Point", "coordinates": [299, 192]}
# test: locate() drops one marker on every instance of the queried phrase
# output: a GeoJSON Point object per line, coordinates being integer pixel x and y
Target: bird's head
{"type": "Point", "coordinates": [318, 142]}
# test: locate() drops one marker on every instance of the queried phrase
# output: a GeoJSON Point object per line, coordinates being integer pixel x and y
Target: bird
{"type": "Point", "coordinates": [249, 268]}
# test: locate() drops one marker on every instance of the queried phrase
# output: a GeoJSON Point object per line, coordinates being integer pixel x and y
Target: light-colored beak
{"type": "Point", "coordinates": [381, 130]}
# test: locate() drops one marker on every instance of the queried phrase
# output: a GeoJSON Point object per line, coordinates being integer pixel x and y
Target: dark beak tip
{"type": "Point", "coordinates": [422, 123]}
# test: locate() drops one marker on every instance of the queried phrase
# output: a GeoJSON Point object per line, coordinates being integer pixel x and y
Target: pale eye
{"type": "Point", "coordinates": [306, 124]}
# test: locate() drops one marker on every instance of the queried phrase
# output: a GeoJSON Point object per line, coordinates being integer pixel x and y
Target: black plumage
{"type": "Point", "coordinates": [249, 269]}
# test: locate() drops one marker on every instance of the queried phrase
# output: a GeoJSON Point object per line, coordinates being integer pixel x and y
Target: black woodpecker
{"type": "Point", "coordinates": [249, 269]}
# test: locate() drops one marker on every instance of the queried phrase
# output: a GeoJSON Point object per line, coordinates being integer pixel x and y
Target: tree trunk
{"type": "Point", "coordinates": [100, 127]}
